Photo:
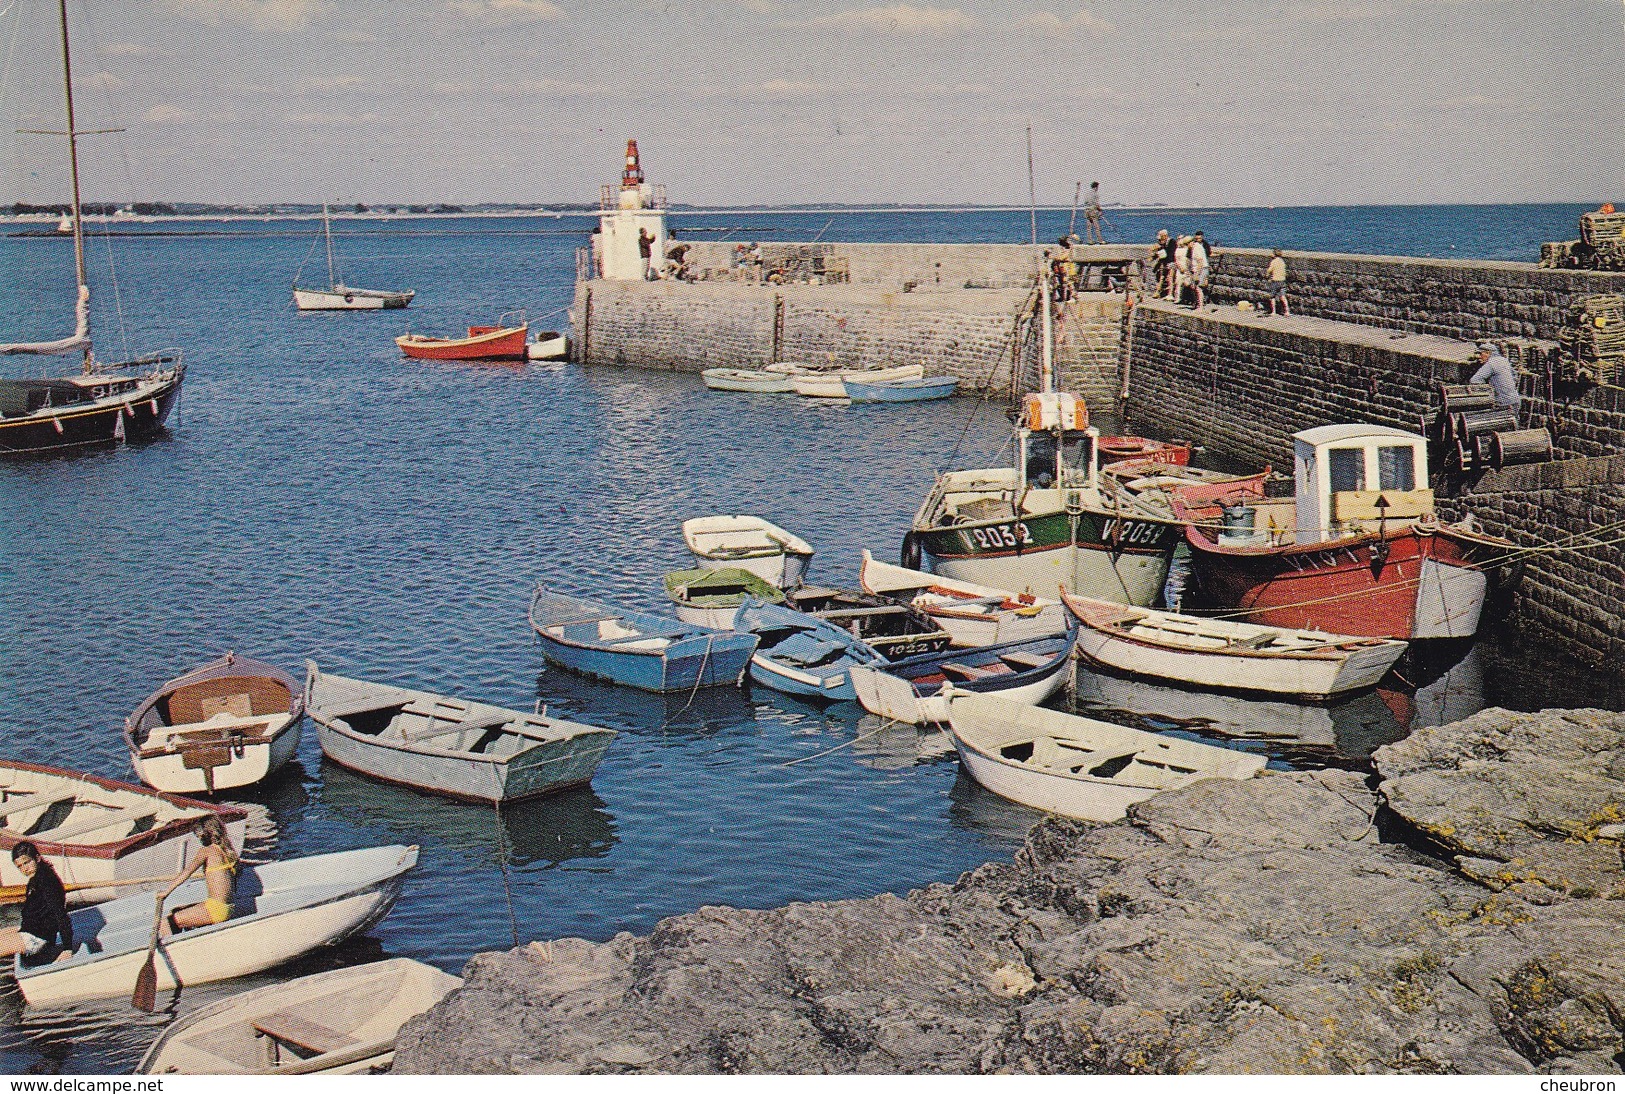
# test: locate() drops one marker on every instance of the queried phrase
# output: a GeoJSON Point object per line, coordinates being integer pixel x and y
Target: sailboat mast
{"type": "Point", "coordinates": [327, 232]}
{"type": "Point", "coordinates": [73, 163]}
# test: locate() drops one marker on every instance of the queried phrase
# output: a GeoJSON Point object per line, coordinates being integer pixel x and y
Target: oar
{"type": "Point", "coordinates": [14, 894]}
{"type": "Point", "coordinates": [145, 996]}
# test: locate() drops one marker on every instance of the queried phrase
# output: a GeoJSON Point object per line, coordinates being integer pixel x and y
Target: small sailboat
{"type": "Point", "coordinates": [338, 296]}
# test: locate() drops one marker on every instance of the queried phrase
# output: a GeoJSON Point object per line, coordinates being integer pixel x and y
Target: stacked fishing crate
{"type": "Point", "coordinates": [1593, 338]}
{"type": "Point", "coordinates": [1601, 245]}
{"type": "Point", "coordinates": [1470, 433]}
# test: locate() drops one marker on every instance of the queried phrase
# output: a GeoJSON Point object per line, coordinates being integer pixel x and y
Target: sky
{"type": "Point", "coordinates": [1227, 102]}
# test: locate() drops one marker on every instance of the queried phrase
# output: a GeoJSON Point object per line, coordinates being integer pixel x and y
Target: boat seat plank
{"type": "Point", "coordinates": [38, 798]}
{"type": "Point", "coordinates": [301, 1032]}
{"type": "Point", "coordinates": [967, 672]}
{"type": "Point", "coordinates": [1257, 641]}
{"type": "Point", "coordinates": [1025, 659]}
{"type": "Point", "coordinates": [93, 824]}
{"type": "Point", "coordinates": [446, 729]}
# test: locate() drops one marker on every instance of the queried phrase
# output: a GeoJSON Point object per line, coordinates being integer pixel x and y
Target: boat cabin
{"type": "Point", "coordinates": [1055, 443]}
{"type": "Point", "coordinates": [1357, 479]}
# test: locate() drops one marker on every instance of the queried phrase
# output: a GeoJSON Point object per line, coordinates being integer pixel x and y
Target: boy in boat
{"type": "Point", "coordinates": [219, 868]}
{"type": "Point", "coordinates": [45, 909]}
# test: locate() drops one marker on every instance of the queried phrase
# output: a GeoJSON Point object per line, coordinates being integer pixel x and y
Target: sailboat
{"type": "Point", "coordinates": [339, 296]}
{"type": "Point", "coordinates": [102, 403]}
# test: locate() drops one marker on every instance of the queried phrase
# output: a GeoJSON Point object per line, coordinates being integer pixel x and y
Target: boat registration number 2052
{"type": "Point", "coordinates": [997, 537]}
{"type": "Point", "coordinates": [1116, 530]}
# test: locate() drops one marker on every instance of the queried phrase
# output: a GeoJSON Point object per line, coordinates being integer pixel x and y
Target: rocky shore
{"type": "Point", "coordinates": [1462, 911]}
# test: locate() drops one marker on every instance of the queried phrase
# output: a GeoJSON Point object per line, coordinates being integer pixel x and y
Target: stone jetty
{"type": "Point", "coordinates": [1458, 911]}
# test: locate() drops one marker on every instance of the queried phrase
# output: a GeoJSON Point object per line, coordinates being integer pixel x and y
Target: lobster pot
{"type": "Point", "coordinates": [1456, 398]}
{"type": "Point", "coordinates": [1471, 423]}
{"type": "Point", "coordinates": [1520, 446]}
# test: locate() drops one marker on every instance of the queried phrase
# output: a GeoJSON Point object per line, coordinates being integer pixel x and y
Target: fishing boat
{"type": "Point", "coordinates": [233, 722]}
{"type": "Point", "coordinates": [1357, 550]}
{"type": "Point", "coordinates": [280, 910]}
{"type": "Point", "coordinates": [338, 296]}
{"type": "Point", "coordinates": [973, 615]}
{"type": "Point", "coordinates": [101, 834]}
{"type": "Point", "coordinates": [916, 689]}
{"type": "Point", "coordinates": [503, 341]}
{"type": "Point", "coordinates": [451, 747]}
{"type": "Point", "coordinates": [548, 345]}
{"type": "Point", "coordinates": [1229, 655]}
{"type": "Point", "coordinates": [1153, 483]}
{"type": "Point", "coordinates": [1078, 767]}
{"type": "Point", "coordinates": [826, 384]}
{"type": "Point", "coordinates": [102, 403]}
{"type": "Point", "coordinates": [650, 652]}
{"type": "Point", "coordinates": [801, 654]}
{"type": "Point", "coordinates": [1115, 447]}
{"type": "Point", "coordinates": [338, 1022]}
{"type": "Point", "coordinates": [746, 379]}
{"type": "Point", "coordinates": [919, 389]}
{"type": "Point", "coordinates": [748, 543]}
{"type": "Point", "coordinates": [892, 629]}
{"type": "Point", "coordinates": [710, 598]}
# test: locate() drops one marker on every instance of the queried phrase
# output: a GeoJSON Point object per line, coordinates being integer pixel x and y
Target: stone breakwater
{"type": "Point", "coordinates": [1459, 912]}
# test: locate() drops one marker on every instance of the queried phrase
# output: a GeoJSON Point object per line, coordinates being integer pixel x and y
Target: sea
{"type": "Point", "coordinates": [319, 497]}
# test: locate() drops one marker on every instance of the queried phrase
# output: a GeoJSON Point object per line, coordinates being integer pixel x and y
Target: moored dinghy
{"type": "Point", "coordinates": [975, 615]}
{"type": "Point", "coordinates": [472, 751]}
{"type": "Point", "coordinates": [1078, 767]}
{"type": "Point", "coordinates": [1230, 655]}
{"type": "Point", "coordinates": [801, 654]}
{"type": "Point", "coordinates": [338, 1022]}
{"type": "Point", "coordinates": [749, 543]}
{"type": "Point", "coordinates": [918, 389]}
{"type": "Point", "coordinates": [95, 830]}
{"type": "Point", "coordinates": [711, 598]}
{"type": "Point", "coordinates": [915, 689]}
{"type": "Point", "coordinates": [233, 722]}
{"type": "Point", "coordinates": [745, 379]}
{"type": "Point", "coordinates": [651, 652]}
{"type": "Point", "coordinates": [280, 910]}
{"type": "Point", "coordinates": [831, 384]}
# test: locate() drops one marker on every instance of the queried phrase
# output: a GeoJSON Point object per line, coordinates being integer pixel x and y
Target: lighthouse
{"type": "Point", "coordinates": [632, 218]}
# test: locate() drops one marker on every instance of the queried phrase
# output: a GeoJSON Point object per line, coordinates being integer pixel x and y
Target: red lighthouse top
{"type": "Point", "coordinates": [633, 175]}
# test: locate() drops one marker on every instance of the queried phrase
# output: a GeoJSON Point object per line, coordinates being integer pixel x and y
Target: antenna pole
{"type": "Point", "coordinates": [1032, 192]}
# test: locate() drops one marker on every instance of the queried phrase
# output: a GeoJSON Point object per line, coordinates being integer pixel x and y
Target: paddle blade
{"type": "Point", "coordinates": [145, 996]}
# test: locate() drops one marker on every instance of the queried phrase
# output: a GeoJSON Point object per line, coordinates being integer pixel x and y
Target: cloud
{"type": "Point", "coordinates": [260, 14]}
{"type": "Point", "coordinates": [506, 11]}
{"type": "Point", "coordinates": [1066, 26]}
{"type": "Point", "coordinates": [164, 114]}
{"type": "Point", "coordinates": [899, 19]}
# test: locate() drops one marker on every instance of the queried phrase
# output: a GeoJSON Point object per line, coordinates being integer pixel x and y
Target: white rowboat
{"type": "Point", "coordinates": [1078, 767]}
{"type": "Point", "coordinates": [832, 385]}
{"type": "Point", "coordinates": [339, 1022]}
{"type": "Point", "coordinates": [976, 615]}
{"type": "Point", "coordinates": [750, 543]}
{"type": "Point", "coordinates": [1229, 655]}
{"type": "Point", "coordinates": [745, 379]}
{"type": "Point", "coordinates": [280, 911]}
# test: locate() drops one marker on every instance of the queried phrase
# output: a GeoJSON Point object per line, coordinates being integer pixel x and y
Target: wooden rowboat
{"type": "Point", "coordinates": [233, 722]}
{"type": "Point", "coordinates": [915, 689]}
{"type": "Point", "coordinates": [711, 598]}
{"type": "Point", "coordinates": [650, 652]}
{"type": "Point", "coordinates": [832, 385]}
{"type": "Point", "coordinates": [801, 654]}
{"type": "Point", "coordinates": [1229, 655]}
{"type": "Point", "coordinates": [744, 379]}
{"type": "Point", "coordinates": [750, 543]}
{"type": "Point", "coordinates": [482, 344]}
{"type": "Point", "coordinates": [96, 830]}
{"type": "Point", "coordinates": [458, 749]}
{"type": "Point", "coordinates": [339, 1022]}
{"type": "Point", "coordinates": [548, 345]}
{"type": "Point", "coordinates": [280, 911]}
{"type": "Point", "coordinates": [1078, 767]}
{"type": "Point", "coordinates": [917, 390]}
{"type": "Point", "coordinates": [975, 615]}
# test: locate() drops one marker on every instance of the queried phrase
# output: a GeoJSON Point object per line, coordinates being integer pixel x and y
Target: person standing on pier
{"type": "Point", "coordinates": [1163, 253]}
{"type": "Point", "coordinates": [1275, 273]}
{"type": "Point", "coordinates": [646, 244]}
{"type": "Point", "coordinates": [1091, 215]}
{"type": "Point", "coordinates": [1200, 264]}
{"type": "Point", "coordinates": [1496, 370]}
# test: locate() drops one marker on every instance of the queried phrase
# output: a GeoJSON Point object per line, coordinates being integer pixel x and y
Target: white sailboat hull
{"type": "Point", "coordinates": [340, 298]}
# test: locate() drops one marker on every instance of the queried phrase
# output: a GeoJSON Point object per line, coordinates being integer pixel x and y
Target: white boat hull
{"type": "Point", "coordinates": [258, 762]}
{"type": "Point", "coordinates": [1139, 577]}
{"type": "Point", "coordinates": [751, 544]}
{"type": "Point", "coordinates": [344, 299]}
{"type": "Point", "coordinates": [1098, 800]}
{"type": "Point", "coordinates": [881, 693]}
{"type": "Point", "coordinates": [721, 619]}
{"type": "Point", "coordinates": [969, 623]}
{"type": "Point", "coordinates": [548, 349]}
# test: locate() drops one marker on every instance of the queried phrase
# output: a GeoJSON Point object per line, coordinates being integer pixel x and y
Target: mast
{"type": "Point", "coordinates": [1032, 192]}
{"type": "Point", "coordinates": [327, 232]}
{"type": "Point", "coordinates": [73, 170]}
{"type": "Point", "coordinates": [1046, 362]}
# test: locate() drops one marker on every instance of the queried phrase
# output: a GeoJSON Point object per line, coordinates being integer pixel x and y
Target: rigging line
{"type": "Point", "coordinates": [987, 385]}
{"type": "Point", "coordinates": [502, 864]}
{"type": "Point", "coordinates": [887, 724]}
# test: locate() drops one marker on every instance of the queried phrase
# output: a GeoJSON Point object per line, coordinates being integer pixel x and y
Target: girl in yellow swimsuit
{"type": "Point", "coordinates": [219, 867]}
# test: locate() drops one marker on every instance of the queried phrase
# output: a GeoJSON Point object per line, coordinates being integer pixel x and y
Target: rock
{"type": "Point", "coordinates": [1271, 925]}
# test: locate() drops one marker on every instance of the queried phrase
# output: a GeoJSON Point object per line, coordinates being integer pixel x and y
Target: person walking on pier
{"type": "Point", "coordinates": [1496, 370]}
{"type": "Point", "coordinates": [1275, 272]}
{"type": "Point", "coordinates": [1091, 215]}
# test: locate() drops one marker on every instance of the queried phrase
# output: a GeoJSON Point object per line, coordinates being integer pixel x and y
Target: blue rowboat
{"type": "Point", "coordinates": [802, 654]}
{"type": "Point", "coordinates": [916, 689]}
{"type": "Point", "coordinates": [901, 391]}
{"type": "Point", "coordinates": [652, 652]}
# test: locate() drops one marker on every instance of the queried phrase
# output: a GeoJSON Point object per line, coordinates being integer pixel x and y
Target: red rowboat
{"type": "Point", "coordinates": [1357, 551]}
{"type": "Point", "coordinates": [1143, 448]}
{"type": "Point", "coordinates": [482, 343]}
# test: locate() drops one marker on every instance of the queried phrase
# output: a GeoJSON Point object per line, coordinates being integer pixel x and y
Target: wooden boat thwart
{"type": "Point", "coordinates": [650, 652]}
{"type": "Point", "coordinates": [749, 543]}
{"type": "Point", "coordinates": [1230, 655]}
{"type": "Point", "coordinates": [974, 615]}
{"type": "Point", "coordinates": [233, 722]}
{"type": "Point", "coordinates": [95, 830]}
{"type": "Point", "coordinates": [915, 689]}
{"type": "Point", "coordinates": [482, 343]}
{"type": "Point", "coordinates": [339, 1022]}
{"type": "Point", "coordinates": [1078, 767]}
{"type": "Point", "coordinates": [744, 379]}
{"type": "Point", "coordinates": [280, 911]}
{"type": "Point", "coordinates": [711, 598]}
{"type": "Point", "coordinates": [458, 749]}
